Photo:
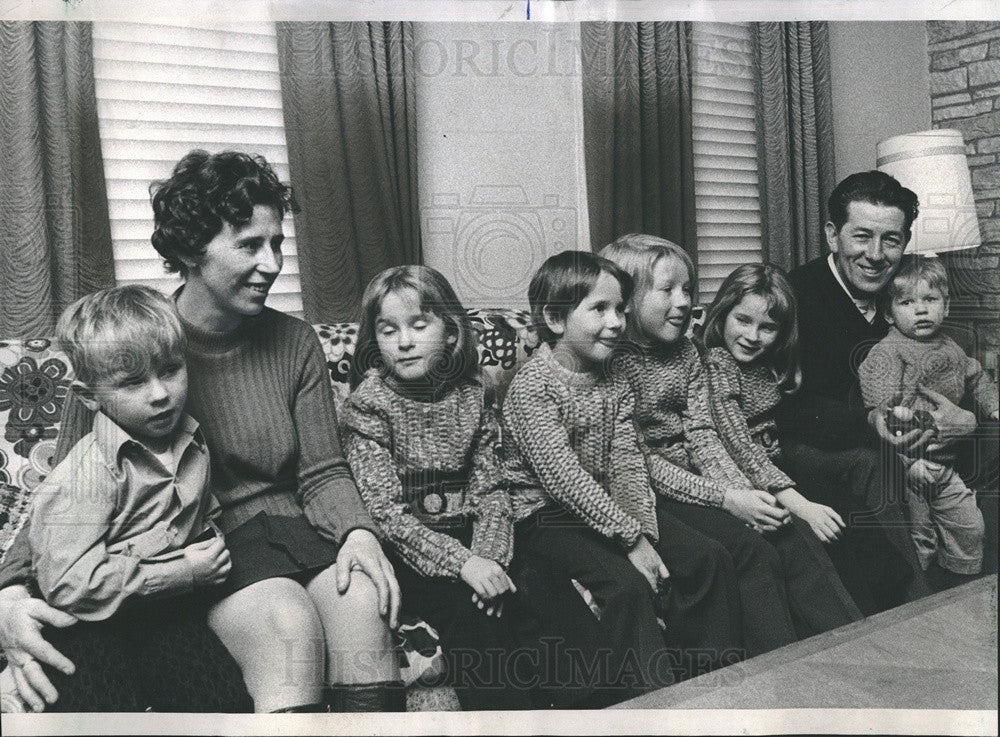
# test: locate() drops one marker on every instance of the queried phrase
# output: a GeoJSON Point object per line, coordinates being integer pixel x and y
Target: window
{"type": "Point", "coordinates": [727, 198]}
{"type": "Point", "coordinates": [163, 90]}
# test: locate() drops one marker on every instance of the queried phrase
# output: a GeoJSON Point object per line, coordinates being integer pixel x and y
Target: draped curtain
{"type": "Point", "coordinates": [55, 235]}
{"type": "Point", "coordinates": [349, 108]}
{"type": "Point", "coordinates": [637, 131]}
{"type": "Point", "coordinates": [795, 145]}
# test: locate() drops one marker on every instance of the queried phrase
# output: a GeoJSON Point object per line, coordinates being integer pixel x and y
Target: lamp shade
{"type": "Point", "coordinates": [933, 164]}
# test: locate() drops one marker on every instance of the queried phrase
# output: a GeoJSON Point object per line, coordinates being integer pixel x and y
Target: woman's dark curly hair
{"type": "Point", "coordinates": [203, 192]}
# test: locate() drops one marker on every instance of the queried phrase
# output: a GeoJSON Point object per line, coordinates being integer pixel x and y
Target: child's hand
{"type": "Point", "coordinates": [995, 414]}
{"type": "Point", "coordinates": [757, 508]}
{"type": "Point", "coordinates": [648, 562]}
{"type": "Point", "coordinates": [923, 474]}
{"type": "Point", "coordinates": [209, 561]}
{"type": "Point", "coordinates": [823, 520]}
{"type": "Point", "coordinates": [489, 581]}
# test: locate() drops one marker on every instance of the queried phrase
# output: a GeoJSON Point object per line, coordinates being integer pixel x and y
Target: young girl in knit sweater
{"type": "Point", "coordinates": [421, 435]}
{"type": "Point", "coordinates": [581, 492]}
{"type": "Point", "coordinates": [787, 584]}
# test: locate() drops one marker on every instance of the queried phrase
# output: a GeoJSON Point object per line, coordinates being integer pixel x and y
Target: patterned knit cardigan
{"type": "Point", "coordinates": [426, 464]}
{"type": "Point", "coordinates": [743, 399]}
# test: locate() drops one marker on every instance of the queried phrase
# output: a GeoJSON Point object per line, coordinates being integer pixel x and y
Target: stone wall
{"type": "Point", "coordinates": [965, 94]}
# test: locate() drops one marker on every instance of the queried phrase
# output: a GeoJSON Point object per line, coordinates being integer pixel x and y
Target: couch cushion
{"type": "Point", "coordinates": [34, 380]}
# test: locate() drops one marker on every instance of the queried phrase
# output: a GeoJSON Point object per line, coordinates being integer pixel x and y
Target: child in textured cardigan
{"type": "Point", "coordinates": [421, 435]}
{"type": "Point", "coordinates": [581, 492]}
{"type": "Point", "coordinates": [946, 524]}
{"type": "Point", "coordinates": [787, 584]}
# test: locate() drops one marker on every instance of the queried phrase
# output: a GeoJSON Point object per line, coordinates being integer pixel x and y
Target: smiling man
{"type": "Point", "coordinates": [829, 445]}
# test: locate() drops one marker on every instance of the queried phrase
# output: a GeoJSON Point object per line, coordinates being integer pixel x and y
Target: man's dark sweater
{"type": "Point", "coordinates": [834, 338]}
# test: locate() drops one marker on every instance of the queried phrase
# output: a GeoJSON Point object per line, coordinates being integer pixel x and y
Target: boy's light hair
{"type": "Point", "coordinates": [637, 254]}
{"type": "Point", "coordinates": [128, 330]}
{"type": "Point", "coordinates": [914, 268]}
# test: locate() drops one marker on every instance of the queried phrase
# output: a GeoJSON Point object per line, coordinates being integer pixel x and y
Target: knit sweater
{"type": "Point", "coordinates": [571, 441]}
{"type": "Point", "coordinates": [742, 398]}
{"type": "Point", "coordinates": [262, 396]}
{"type": "Point", "coordinates": [687, 459]}
{"type": "Point", "coordinates": [425, 464]}
{"type": "Point", "coordinates": [898, 363]}
{"type": "Point", "coordinates": [834, 338]}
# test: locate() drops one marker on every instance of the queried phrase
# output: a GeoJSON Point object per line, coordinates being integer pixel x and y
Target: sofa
{"type": "Point", "coordinates": [34, 380]}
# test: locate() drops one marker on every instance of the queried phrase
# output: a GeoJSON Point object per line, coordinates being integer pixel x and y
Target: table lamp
{"type": "Point", "coordinates": [933, 164]}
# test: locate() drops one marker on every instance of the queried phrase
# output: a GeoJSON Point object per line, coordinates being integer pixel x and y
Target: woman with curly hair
{"type": "Point", "coordinates": [311, 597]}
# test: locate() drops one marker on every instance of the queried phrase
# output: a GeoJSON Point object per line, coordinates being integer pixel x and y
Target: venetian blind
{"type": "Point", "coordinates": [727, 198]}
{"type": "Point", "coordinates": [165, 89]}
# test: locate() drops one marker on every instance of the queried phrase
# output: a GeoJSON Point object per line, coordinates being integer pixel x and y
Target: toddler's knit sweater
{"type": "Point", "coordinates": [743, 398]}
{"type": "Point", "coordinates": [898, 363]}
{"type": "Point", "coordinates": [687, 459]}
{"type": "Point", "coordinates": [426, 462]}
{"type": "Point", "coordinates": [571, 441]}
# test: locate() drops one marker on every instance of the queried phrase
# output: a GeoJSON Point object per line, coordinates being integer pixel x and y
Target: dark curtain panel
{"type": "Point", "coordinates": [348, 96]}
{"type": "Point", "coordinates": [637, 131]}
{"type": "Point", "coordinates": [55, 236]}
{"type": "Point", "coordinates": [795, 145]}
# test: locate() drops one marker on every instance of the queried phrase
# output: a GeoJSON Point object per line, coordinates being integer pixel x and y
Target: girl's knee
{"type": "Point", "coordinates": [754, 552]}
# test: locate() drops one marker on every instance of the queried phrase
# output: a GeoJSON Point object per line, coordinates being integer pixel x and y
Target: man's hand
{"type": "Point", "coordinates": [489, 582]}
{"type": "Point", "coordinates": [361, 550]}
{"type": "Point", "coordinates": [757, 508]}
{"type": "Point", "coordinates": [911, 442]}
{"type": "Point", "coordinates": [648, 562]}
{"type": "Point", "coordinates": [21, 620]}
{"type": "Point", "coordinates": [952, 421]}
{"type": "Point", "coordinates": [923, 474]}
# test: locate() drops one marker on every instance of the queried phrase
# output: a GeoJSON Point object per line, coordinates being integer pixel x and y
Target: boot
{"type": "Point", "coordinates": [382, 696]}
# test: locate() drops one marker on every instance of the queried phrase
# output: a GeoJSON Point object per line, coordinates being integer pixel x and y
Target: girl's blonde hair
{"type": "Point", "coordinates": [637, 254]}
{"type": "Point", "coordinates": [771, 284]}
{"type": "Point", "coordinates": [436, 297]}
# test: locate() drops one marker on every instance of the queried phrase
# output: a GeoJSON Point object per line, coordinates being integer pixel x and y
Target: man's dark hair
{"type": "Point", "coordinates": [877, 188]}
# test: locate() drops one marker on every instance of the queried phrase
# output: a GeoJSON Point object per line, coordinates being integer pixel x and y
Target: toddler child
{"type": "Point", "coordinates": [121, 531]}
{"type": "Point", "coordinates": [786, 581]}
{"type": "Point", "coordinates": [946, 525]}
{"type": "Point", "coordinates": [580, 488]}
{"type": "Point", "coordinates": [421, 435]}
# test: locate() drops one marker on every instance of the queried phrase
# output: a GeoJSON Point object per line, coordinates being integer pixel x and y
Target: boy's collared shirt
{"type": "Point", "coordinates": [111, 520]}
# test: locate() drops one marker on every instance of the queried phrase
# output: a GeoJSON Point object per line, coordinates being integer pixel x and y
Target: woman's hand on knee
{"type": "Point", "coordinates": [361, 550]}
{"type": "Point", "coordinates": [21, 620]}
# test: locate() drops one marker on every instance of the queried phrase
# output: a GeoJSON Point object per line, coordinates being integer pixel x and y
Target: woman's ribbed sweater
{"type": "Point", "coordinates": [572, 442]}
{"type": "Point", "coordinates": [262, 395]}
{"type": "Point", "coordinates": [427, 463]}
{"type": "Point", "coordinates": [687, 460]}
{"type": "Point", "coordinates": [743, 398]}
